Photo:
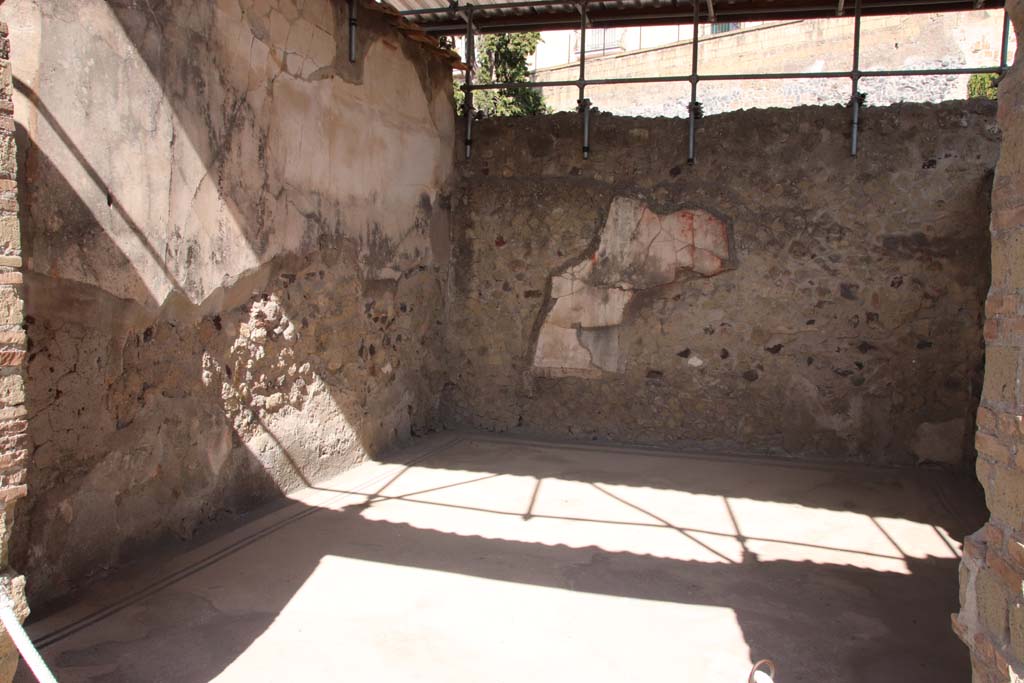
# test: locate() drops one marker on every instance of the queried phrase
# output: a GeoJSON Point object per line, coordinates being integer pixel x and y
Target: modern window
{"type": "Point", "coordinates": [601, 41]}
{"type": "Point", "coordinates": [724, 28]}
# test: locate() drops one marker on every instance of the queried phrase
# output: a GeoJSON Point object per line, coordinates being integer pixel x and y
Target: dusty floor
{"type": "Point", "coordinates": [477, 558]}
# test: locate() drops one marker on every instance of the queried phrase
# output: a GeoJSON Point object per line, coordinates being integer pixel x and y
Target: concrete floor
{"type": "Point", "coordinates": [476, 558]}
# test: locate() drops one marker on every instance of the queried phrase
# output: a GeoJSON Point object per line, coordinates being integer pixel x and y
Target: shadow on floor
{"type": "Point", "coordinates": [321, 585]}
{"type": "Point", "coordinates": [950, 498]}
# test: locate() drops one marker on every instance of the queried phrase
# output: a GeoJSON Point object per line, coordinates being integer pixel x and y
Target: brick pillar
{"type": "Point", "coordinates": [991, 617]}
{"type": "Point", "coordinates": [14, 444]}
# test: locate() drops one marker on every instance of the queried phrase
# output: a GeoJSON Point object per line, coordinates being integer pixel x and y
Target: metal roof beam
{"type": "Point", "coordinates": [562, 15]}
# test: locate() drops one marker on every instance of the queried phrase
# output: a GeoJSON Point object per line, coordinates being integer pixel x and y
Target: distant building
{"type": "Point", "coordinates": [950, 40]}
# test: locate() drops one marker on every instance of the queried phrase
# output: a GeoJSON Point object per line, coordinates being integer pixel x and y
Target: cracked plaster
{"type": "Point", "coordinates": [639, 249]}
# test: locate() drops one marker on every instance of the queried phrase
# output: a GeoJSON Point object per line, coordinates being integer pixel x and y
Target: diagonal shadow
{"type": "Point", "coordinates": [209, 113]}
{"type": "Point", "coordinates": [951, 495]}
{"type": "Point", "coordinates": [112, 200]}
{"type": "Point", "coordinates": [803, 614]}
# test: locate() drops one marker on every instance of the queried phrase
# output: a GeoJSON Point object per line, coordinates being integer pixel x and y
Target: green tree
{"type": "Point", "coordinates": [502, 58]}
{"type": "Point", "coordinates": [982, 86]}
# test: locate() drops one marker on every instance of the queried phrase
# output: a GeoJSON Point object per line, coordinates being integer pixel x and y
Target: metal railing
{"type": "Point", "coordinates": [694, 109]}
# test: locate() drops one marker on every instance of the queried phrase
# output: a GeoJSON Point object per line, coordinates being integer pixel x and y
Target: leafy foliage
{"type": "Point", "coordinates": [982, 86]}
{"type": "Point", "coordinates": [502, 58]}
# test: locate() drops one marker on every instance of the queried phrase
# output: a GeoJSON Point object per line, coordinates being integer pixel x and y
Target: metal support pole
{"type": "Point", "coordinates": [740, 77]}
{"type": "Point", "coordinates": [1005, 54]}
{"type": "Point", "coordinates": [352, 30]}
{"type": "Point", "coordinates": [583, 103]}
{"type": "Point", "coordinates": [468, 87]}
{"type": "Point", "coordinates": [547, 7]}
{"type": "Point", "coordinates": [691, 154]}
{"type": "Point", "coordinates": [855, 78]}
{"type": "Point", "coordinates": [513, 24]}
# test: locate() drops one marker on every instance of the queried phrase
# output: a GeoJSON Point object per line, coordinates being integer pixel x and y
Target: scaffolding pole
{"type": "Point", "coordinates": [691, 153]}
{"type": "Point", "coordinates": [467, 88]}
{"type": "Point", "coordinates": [741, 77]}
{"type": "Point", "coordinates": [352, 30]}
{"type": "Point", "coordinates": [513, 23]}
{"type": "Point", "coordinates": [583, 104]}
{"type": "Point", "coordinates": [1004, 54]}
{"type": "Point", "coordinates": [855, 79]}
{"type": "Point", "coordinates": [693, 78]}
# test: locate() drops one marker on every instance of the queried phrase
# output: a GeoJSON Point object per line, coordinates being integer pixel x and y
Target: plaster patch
{"type": "Point", "coordinates": [639, 249]}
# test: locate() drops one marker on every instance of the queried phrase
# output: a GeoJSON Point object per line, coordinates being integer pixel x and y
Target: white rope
{"type": "Point", "coordinates": [758, 676]}
{"type": "Point", "coordinates": [22, 641]}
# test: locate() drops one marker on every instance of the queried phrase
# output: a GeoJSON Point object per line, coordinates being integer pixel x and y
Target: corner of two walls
{"type": "Point", "coordinates": [991, 617]}
{"type": "Point", "coordinates": [236, 259]}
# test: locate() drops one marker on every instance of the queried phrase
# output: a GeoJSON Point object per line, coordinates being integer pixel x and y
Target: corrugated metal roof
{"type": "Point", "coordinates": [441, 18]}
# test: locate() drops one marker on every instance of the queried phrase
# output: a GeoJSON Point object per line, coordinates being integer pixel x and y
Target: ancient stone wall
{"type": "Point", "coordinates": [14, 440]}
{"type": "Point", "coordinates": [236, 247]}
{"type": "Point", "coordinates": [991, 617]}
{"type": "Point", "coordinates": [778, 295]}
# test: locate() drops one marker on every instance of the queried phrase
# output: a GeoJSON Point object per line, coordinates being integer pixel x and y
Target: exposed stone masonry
{"type": "Point", "coordinates": [991, 618]}
{"type": "Point", "coordinates": [236, 255]}
{"type": "Point", "coordinates": [14, 439]}
{"type": "Point", "coordinates": [852, 288]}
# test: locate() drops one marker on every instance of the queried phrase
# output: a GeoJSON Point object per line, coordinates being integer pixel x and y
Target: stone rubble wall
{"type": "Point", "coordinates": [991, 617]}
{"type": "Point", "coordinates": [843, 322]}
{"type": "Point", "coordinates": [236, 253]}
{"type": "Point", "coordinates": [15, 444]}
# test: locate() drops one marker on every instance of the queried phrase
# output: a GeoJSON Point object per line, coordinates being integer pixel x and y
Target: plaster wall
{"type": "Point", "coordinates": [779, 295]}
{"type": "Point", "coordinates": [235, 248]}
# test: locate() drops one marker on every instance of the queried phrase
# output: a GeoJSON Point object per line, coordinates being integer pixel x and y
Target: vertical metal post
{"type": "Point", "coordinates": [468, 86]}
{"type": "Point", "coordinates": [1005, 54]}
{"type": "Point", "coordinates": [583, 103]}
{"type": "Point", "coordinates": [855, 78]}
{"type": "Point", "coordinates": [691, 154]}
{"type": "Point", "coordinates": [352, 30]}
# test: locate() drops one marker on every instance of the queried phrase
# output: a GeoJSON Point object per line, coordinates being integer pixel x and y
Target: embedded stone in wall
{"type": "Point", "coordinates": [639, 249]}
{"type": "Point", "coordinates": [940, 442]}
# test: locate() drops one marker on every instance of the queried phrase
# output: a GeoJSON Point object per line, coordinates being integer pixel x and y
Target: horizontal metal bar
{"type": "Point", "coordinates": [738, 77]}
{"type": "Point", "coordinates": [526, 84]}
{"type": "Point", "coordinates": [447, 9]}
{"type": "Point", "coordinates": [774, 76]}
{"type": "Point", "coordinates": [930, 72]}
{"type": "Point", "coordinates": [429, 10]}
{"type": "Point", "coordinates": [522, 22]}
{"type": "Point", "coordinates": [514, 4]}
